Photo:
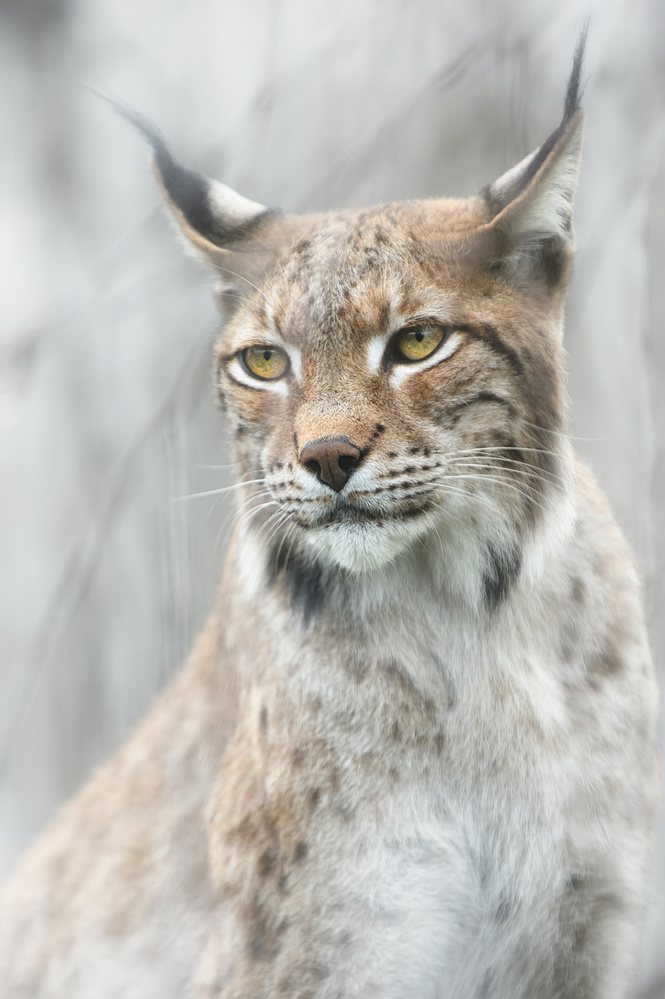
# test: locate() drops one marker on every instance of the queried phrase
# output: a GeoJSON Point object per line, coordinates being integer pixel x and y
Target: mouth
{"type": "Point", "coordinates": [346, 512]}
{"type": "Point", "coordinates": [359, 539]}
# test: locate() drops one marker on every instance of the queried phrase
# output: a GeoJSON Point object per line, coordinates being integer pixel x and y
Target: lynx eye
{"type": "Point", "coordinates": [264, 361]}
{"type": "Point", "coordinates": [417, 343]}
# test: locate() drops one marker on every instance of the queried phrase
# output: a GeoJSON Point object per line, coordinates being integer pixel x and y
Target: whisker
{"type": "Point", "coordinates": [286, 534]}
{"type": "Point", "coordinates": [217, 468]}
{"type": "Point", "coordinates": [246, 507]}
{"type": "Point", "coordinates": [227, 525]}
{"type": "Point", "coordinates": [239, 515]}
{"type": "Point", "coordinates": [242, 277]}
{"type": "Point", "coordinates": [459, 491]}
{"type": "Point", "coordinates": [504, 483]}
{"type": "Point", "coordinates": [216, 492]}
{"type": "Point", "coordinates": [561, 433]}
{"type": "Point", "coordinates": [263, 495]}
{"type": "Point", "coordinates": [524, 469]}
{"type": "Point", "coordinates": [502, 447]}
{"type": "Point", "coordinates": [286, 516]}
{"type": "Point", "coordinates": [293, 542]}
{"type": "Point", "coordinates": [250, 512]}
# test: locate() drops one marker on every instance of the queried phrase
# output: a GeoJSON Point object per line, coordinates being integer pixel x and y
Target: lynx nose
{"type": "Point", "coordinates": [331, 459]}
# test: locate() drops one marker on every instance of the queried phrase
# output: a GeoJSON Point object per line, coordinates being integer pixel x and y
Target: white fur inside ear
{"type": "Point", "coordinates": [230, 207]}
{"type": "Point", "coordinates": [510, 180]}
{"type": "Point", "coordinates": [545, 207]}
{"type": "Point", "coordinates": [550, 208]}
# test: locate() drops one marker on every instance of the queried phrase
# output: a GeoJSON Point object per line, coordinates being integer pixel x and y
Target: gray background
{"type": "Point", "coordinates": [106, 407]}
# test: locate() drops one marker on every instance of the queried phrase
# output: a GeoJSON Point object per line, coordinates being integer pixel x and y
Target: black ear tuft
{"type": "Point", "coordinates": [209, 213]}
{"type": "Point", "coordinates": [218, 225]}
{"type": "Point", "coordinates": [570, 108]}
{"type": "Point", "coordinates": [531, 205]}
{"type": "Point", "coordinates": [573, 91]}
{"type": "Point", "coordinates": [187, 189]}
{"type": "Point", "coordinates": [146, 128]}
{"type": "Point", "coordinates": [502, 192]}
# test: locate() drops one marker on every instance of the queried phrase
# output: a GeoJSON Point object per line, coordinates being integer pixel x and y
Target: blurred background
{"type": "Point", "coordinates": [107, 417]}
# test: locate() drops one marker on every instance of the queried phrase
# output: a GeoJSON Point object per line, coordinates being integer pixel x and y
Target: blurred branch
{"type": "Point", "coordinates": [84, 556]}
{"type": "Point", "coordinates": [592, 249]}
{"type": "Point", "coordinates": [52, 316]}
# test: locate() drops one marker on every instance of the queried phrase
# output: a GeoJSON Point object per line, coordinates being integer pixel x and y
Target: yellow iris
{"type": "Point", "coordinates": [265, 362]}
{"type": "Point", "coordinates": [418, 342]}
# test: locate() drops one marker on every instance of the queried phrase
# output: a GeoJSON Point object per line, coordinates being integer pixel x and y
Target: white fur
{"type": "Point", "coordinates": [229, 206]}
{"type": "Point", "coordinates": [375, 351]}
{"type": "Point", "coordinates": [550, 204]}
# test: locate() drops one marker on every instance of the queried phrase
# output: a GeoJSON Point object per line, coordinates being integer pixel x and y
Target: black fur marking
{"type": "Point", "coordinates": [574, 91]}
{"type": "Point", "coordinates": [493, 338]}
{"type": "Point", "coordinates": [488, 397]}
{"type": "Point", "coordinates": [576, 883]}
{"type": "Point", "coordinates": [392, 486]}
{"type": "Point", "coordinates": [314, 798]}
{"type": "Point", "coordinates": [417, 511]}
{"type": "Point", "coordinates": [492, 397]}
{"type": "Point", "coordinates": [501, 573]}
{"type": "Point", "coordinates": [187, 189]}
{"type": "Point", "coordinates": [504, 910]}
{"type": "Point", "coordinates": [300, 851]}
{"type": "Point", "coordinates": [304, 580]}
{"type": "Point", "coordinates": [394, 670]}
{"type": "Point", "coordinates": [490, 335]}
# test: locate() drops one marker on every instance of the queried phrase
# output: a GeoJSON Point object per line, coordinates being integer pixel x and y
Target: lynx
{"type": "Point", "coordinates": [413, 753]}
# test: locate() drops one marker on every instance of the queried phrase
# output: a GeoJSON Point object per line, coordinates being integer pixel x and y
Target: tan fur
{"type": "Point", "coordinates": [413, 753]}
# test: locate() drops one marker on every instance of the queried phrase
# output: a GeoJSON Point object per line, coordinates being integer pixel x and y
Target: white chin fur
{"type": "Point", "coordinates": [362, 547]}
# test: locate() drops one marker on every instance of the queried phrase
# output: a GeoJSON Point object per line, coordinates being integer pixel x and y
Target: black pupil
{"type": "Point", "coordinates": [267, 354]}
{"type": "Point", "coordinates": [420, 336]}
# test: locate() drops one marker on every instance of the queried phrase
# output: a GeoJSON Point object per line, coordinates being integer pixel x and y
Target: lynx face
{"type": "Point", "coordinates": [393, 376]}
{"type": "Point", "coordinates": [383, 386]}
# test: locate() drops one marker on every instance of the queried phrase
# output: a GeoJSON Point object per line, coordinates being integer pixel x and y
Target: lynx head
{"type": "Point", "coordinates": [394, 375]}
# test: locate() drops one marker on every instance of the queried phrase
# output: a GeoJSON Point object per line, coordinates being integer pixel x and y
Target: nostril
{"type": "Point", "coordinates": [347, 461]}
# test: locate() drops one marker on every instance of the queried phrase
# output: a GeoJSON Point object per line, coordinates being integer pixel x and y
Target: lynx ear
{"type": "Point", "coordinates": [218, 224]}
{"type": "Point", "coordinates": [531, 232]}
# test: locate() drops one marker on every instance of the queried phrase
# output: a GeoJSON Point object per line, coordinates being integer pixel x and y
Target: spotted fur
{"type": "Point", "coordinates": [413, 754]}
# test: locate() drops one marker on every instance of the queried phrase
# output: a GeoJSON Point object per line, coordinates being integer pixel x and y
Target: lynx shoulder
{"type": "Point", "coordinates": [414, 752]}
